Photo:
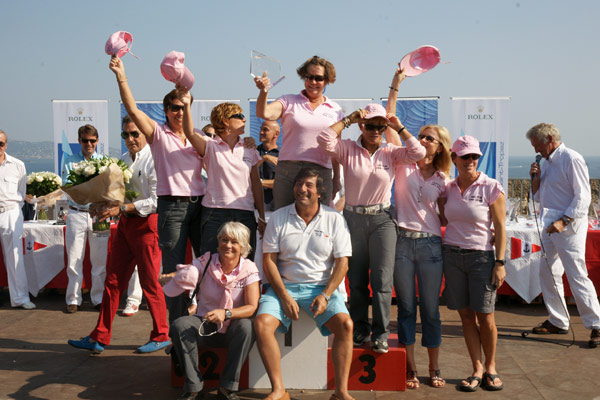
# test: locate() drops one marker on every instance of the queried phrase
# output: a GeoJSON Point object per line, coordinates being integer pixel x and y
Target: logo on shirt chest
{"type": "Point", "coordinates": [320, 233]}
{"type": "Point", "coordinates": [329, 116]}
{"type": "Point", "coordinates": [247, 160]}
{"type": "Point", "coordinates": [381, 165]}
{"type": "Point", "coordinates": [476, 197]}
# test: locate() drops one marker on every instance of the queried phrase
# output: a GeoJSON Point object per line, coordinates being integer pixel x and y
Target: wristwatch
{"type": "Point", "coordinates": [503, 262]}
{"type": "Point", "coordinates": [227, 314]}
{"type": "Point", "coordinates": [566, 220]}
{"type": "Point", "coordinates": [123, 209]}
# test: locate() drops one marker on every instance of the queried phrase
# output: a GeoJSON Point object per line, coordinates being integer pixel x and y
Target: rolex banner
{"type": "Point", "coordinates": [487, 119]}
{"type": "Point", "coordinates": [69, 115]}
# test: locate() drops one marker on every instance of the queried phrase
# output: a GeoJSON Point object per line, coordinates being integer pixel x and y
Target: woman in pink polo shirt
{"type": "Point", "coordinates": [303, 117]}
{"type": "Point", "coordinates": [368, 173]}
{"type": "Point", "coordinates": [233, 187]}
{"type": "Point", "coordinates": [475, 210]}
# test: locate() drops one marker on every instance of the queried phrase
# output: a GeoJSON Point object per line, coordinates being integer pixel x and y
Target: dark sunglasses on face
{"type": "Point", "coordinates": [378, 128]}
{"type": "Point", "coordinates": [318, 78]}
{"type": "Point", "coordinates": [86, 141]}
{"type": "Point", "coordinates": [429, 138]}
{"type": "Point", "coordinates": [475, 157]}
{"type": "Point", "coordinates": [176, 107]}
{"type": "Point", "coordinates": [2, 144]}
{"type": "Point", "coordinates": [239, 116]}
{"type": "Point", "coordinates": [134, 134]}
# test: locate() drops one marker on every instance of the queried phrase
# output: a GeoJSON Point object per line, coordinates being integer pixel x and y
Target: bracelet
{"type": "Point", "coordinates": [346, 122]}
{"type": "Point", "coordinates": [401, 129]}
{"type": "Point", "coordinates": [503, 262]}
{"type": "Point", "coordinates": [262, 220]}
{"type": "Point", "coordinates": [393, 89]}
{"type": "Point", "coordinates": [326, 297]}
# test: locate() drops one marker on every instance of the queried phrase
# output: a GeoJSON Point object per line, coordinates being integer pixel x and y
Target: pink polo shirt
{"type": "Point", "coordinates": [468, 214]}
{"type": "Point", "coordinates": [178, 166]}
{"type": "Point", "coordinates": [228, 184]}
{"type": "Point", "coordinates": [415, 199]}
{"type": "Point", "coordinates": [368, 179]}
{"type": "Point", "coordinates": [300, 126]}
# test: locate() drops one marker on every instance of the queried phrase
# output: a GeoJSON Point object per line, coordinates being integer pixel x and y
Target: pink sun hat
{"type": "Point", "coordinates": [466, 145]}
{"type": "Point", "coordinates": [118, 44]}
{"type": "Point", "coordinates": [186, 279]}
{"type": "Point", "coordinates": [421, 60]}
{"type": "Point", "coordinates": [173, 70]}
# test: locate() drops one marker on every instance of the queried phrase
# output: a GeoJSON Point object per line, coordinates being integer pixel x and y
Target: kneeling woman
{"type": "Point", "coordinates": [228, 297]}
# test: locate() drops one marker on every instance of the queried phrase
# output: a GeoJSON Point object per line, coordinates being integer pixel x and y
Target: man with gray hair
{"type": "Point", "coordinates": [562, 186]}
{"type": "Point", "coordinates": [12, 193]}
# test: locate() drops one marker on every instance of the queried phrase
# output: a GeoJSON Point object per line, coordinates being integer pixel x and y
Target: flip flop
{"type": "Point", "coordinates": [492, 378]}
{"type": "Point", "coordinates": [469, 388]}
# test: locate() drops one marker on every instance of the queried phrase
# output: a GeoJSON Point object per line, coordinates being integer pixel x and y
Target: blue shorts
{"type": "Point", "coordinates": [304, 294]}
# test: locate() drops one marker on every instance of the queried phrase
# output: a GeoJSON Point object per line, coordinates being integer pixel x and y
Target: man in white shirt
{"type": "Point", "coordinates": [135, 243]}
{"type": "Point", "coordinates": [306, 248]}
{"type": "Point", "coordinates": [12, 194]}
{"type": "Point", "coordinates": [562, 187]}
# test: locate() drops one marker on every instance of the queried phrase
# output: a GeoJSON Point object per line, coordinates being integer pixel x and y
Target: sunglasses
{"type": "Point", "coordinates": [378, 128]}
{"type": "Point", "coordinates": [134, 134]}
{"type": "Point", "coordinates": [208, 328]}
{"type": "Point", "coordinates": [475, 157]}
{"type": "Point", "coordinates": [428, 138]}
{"type": "Point", "coordinates": [176, 108]}
{"type": "Point", "coordinates": [318, 78]}
{"type": "Point", "coordinates": [239, 116]}
{"type": "Point", "coordinates": [86, 141]}
{"type": "Point", "coordinates": [2, 144]}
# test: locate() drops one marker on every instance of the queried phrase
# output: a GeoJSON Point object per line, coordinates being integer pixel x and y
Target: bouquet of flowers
{"type": "Point", "coordinates": [100, 182]}
{"type": "Point", "coordinates": [42, 183]}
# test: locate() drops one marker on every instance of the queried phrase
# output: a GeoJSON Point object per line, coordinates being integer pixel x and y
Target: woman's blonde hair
{"type": "Point", "coordinates": [220, 112]}
{"type": "Point", "coordinates": [442, 160]}
{"type": "Point", "coordinates": [239, 232]}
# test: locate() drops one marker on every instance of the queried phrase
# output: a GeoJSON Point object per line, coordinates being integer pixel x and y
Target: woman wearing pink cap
{"type": "Point", "coordinates": [227, 298]}
{"type": "Point", "coordinates": [303, 117]}
{"type": "Point", "coordinates": [475, 210]}
{"type": "Point", "coordinates": [233, 183]}
{"type": "Point", "coordinates": [368, 172]}
{"type": "Point", "coordinates": [180, 186]}
{"type": "Point", "coordinates": [417, 189]}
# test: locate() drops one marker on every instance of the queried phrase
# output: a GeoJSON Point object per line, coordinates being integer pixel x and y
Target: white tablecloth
{"type": "Point", "coordinates": [43, 245]}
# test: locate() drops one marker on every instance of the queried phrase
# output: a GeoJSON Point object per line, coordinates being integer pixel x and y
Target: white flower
{"type": "Point", "coordinates": [89, 170]}
{"type": "Point", "coordinates": [58, 180]}
{"type": "Point", "coordinates": [30, 179]}
{"type": "Point", "coordinates": [39, 178]}
{"type": "Point", "coordinates": [102, 169]}
{"type": "Point", "coordinates": [127, 174]}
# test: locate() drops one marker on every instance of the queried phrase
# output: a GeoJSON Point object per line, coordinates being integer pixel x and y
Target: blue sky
{"type": "Point", "coordinates": [543, 54]}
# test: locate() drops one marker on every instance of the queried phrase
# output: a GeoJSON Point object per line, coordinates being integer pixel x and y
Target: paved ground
{"type": "Point", "coordinates": [37, 363]}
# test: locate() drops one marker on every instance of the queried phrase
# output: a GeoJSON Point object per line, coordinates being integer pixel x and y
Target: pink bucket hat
{"type": "Point", "coordinates": [184, 280]}
{"type": "Point", "coordinates": [173, 70]}
{"type": "Point", "coordinates": [376, 110]}
{"type": "Point", "coordinates": [421, 60]}
{"type": "Point", "coordinates": [466, 145]}
{"type": "Point", "coordinates": [118, 44]}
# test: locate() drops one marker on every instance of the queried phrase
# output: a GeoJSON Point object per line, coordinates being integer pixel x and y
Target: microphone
{"type": "Point", "coordinates": [538, 158]}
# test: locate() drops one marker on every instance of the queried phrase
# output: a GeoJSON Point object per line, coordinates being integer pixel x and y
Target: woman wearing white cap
{"type": "Point", "coordinates": [369, 168]}
{"type": "Point", "coordinates": [475, 210]}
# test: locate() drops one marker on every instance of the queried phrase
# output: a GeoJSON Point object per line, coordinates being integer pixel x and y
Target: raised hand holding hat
{"type": "Point", "coordinates": [118, 44]}
{"type": "Point", "coordinates": [173, 70]}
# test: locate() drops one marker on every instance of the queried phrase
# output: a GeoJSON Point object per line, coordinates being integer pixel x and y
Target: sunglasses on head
{"type": "Point", "coordinates": [86, 141]}
{"type": "Point", "coordinates": [428, 138]}
{"type": "Point", "coordinates": [372, 127]}
{"type": "Point", "coordinates": [475, 157]}
{"type": "Point", "coordinates": [239, 116]}
{"type": "Point", "coordinates": [2, 144]}
{"type": "Point", "coordinates": [134, 134]}
{"type": "Point", "coordinates": [318, 78]}
{"type": "Point", "coordinates": [176, 107]}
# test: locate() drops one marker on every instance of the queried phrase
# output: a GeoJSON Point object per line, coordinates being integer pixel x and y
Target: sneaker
{"type": "Point", "coordinates": [152, 346]}
{"type": "Point", "coordinates": [130, 310]}
{"type": "Point", "coordinates": [28, 305]}
{"type": "Point", "coordinates": [87, 344]}
{"type": "Point", "coordinates": [594, 338]}
{"type": "Point", "coordinates": [72, 308]}
{"type": "Point", "coordinates": [359, 338]}
{"type": "Point", "coordinates": [380, 346]}
{"type": "Point", "coordinates": [546, 328]}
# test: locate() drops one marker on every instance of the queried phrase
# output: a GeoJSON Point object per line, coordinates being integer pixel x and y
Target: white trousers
{"type": "Point", "coordinates": [134, 291]}
{"type": "Point", "coordinates": [79, 224]}
{"type": "Point", "coordinates": [565, 252]}
{"type": "Point", "coordinates": [11, 232]}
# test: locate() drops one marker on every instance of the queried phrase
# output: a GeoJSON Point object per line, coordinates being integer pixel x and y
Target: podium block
{"type": "Point", "coordinates": [211, 362]}
{"type": "Point", "coordinates": [374, 371]}
{"type": "Point", "coordinates": [303, 358]}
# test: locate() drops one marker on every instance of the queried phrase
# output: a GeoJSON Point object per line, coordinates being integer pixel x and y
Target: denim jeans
{"type": "Point", "coordinates": [373, 247]}
{"type": "Point", "coordinates": [177, 221]}
{"type": "Point", "coordinates": [213, 218]}
{"type": "Point", "coordinates": [421, 258]}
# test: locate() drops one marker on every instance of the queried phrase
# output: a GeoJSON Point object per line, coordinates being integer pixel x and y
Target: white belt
{"type": "Point", "coordinates": [8, 208]}
{"type": "Point", "coordinates": [370, 210]}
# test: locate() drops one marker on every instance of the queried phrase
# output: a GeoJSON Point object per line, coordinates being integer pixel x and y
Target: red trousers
{"type": "Point", "coordinates": [135, 243]}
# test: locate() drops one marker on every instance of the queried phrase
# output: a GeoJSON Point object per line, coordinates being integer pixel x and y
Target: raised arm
{"type": "Point", "coordinates": [390, 107]}
{"type": "Point", "coordinates": [328, 139]}
{"type": "Point", "coordinates": [269, 112]}
{"type": "Point", "coordinates": [143, 122]}
{"type": "Point", "coordinates": [196, 139]}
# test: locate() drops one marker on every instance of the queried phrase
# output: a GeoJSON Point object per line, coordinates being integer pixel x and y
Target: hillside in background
{"type": "Point", "coordinates": [40, 150]}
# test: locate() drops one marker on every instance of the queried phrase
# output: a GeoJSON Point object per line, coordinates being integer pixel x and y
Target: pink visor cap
{"type": "Point", "coordinates": [173, 70]}
{"type": "Point", "coordinates": [185, 279]}
{"type": "Point", "coordinates": [466, 145]}
{"type": "Point", "coordinates": [375, 110]}
{"type": "Point", "coordinates": [118, 44]}
{"type": "Point", "coordinates": [421, 60]}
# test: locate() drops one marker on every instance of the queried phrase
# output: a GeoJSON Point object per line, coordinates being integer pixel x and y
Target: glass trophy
{"type": "Point", "coordinates": [261, 63]}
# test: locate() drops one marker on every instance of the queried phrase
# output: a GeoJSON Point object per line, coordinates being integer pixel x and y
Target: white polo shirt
{"type": "Point", "coordinates": [14, 179]}
{"type": "Point", "coordinates": [307, 253]}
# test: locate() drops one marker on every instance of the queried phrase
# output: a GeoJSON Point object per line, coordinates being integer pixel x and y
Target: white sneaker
{"type": "Point", "coordinates": [129, 310]}
{"type": "Point", "coordinates": [28, 305]}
